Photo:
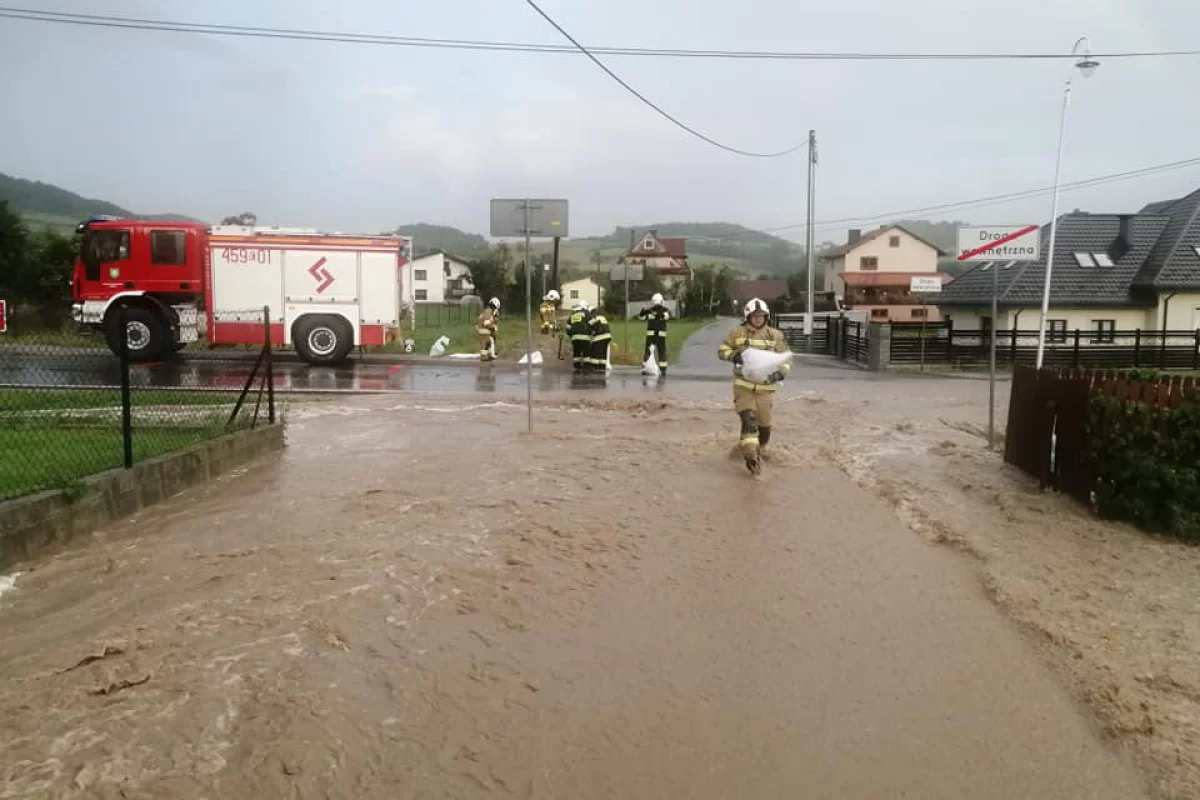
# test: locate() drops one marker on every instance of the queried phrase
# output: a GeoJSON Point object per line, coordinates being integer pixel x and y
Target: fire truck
{"type": "Point", "coordinates": [174, 283]}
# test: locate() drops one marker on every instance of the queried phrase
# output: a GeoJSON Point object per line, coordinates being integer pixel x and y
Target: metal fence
{"type": "Point", "coordinates": [69, 409]}
{"type": "Point", "coordinates": [839, 336]}
{"type": "Point", "coordinates": [445, 315]}
{"type": "Point", "coordinates": [941, 343]}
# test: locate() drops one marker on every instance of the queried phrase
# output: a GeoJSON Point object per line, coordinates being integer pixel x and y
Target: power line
{"type": "Point", "coordinates": [980, 202]}
{"type": "Point", "coordinates": [655, 106]}
{"type": "Point", "coordinates": [134, 23]}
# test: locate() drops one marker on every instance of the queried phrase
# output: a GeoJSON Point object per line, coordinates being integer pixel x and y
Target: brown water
{"type": "Point", "coordinates": [418, 599]}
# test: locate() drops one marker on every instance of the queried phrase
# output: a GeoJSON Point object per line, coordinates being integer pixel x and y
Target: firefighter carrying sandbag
{"type": "Point", "coordinates": [548, 311]}
{"type": "Point", "coordinates": [580, 335]}
{"type": "Point", "coordinates": [486, 328]}
{"type": "Point", "coordinates": [754, 401]}
{"type": "Point", "coordinates": [600, 340]}
{"type": "Point", "coordinates": [656, 316]}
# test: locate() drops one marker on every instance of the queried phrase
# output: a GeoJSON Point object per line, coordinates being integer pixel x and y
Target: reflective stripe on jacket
{"type": "Point", "coordinates": [598, 326]}
{"type": "Point", "coordinates": [764, 338]}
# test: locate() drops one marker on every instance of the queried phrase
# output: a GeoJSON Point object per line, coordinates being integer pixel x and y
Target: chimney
{"type": "Point", "coordinates": [855, 235]}
{"type": "Point", "coordinates": [1124, 241]}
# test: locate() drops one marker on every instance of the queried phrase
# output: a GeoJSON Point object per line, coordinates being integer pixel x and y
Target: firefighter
{"type": "Point", "coordinates": [486, 329]}
{"type": "Point", "coordinates": [752, 401]}
{"type": "Point", "coordinates": [548, 311]}
{"type": "Point", "coordinates": [581, 338]}
{"type": "Point", "coordinates": [656, 316]}
{"type": "Point", "coordinates": [600, 337]}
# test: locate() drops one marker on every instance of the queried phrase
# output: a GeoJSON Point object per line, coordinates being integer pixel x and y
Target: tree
{"type": "Point", "coordinates": [247, 218]}
{"type": "Point", "coordinates": [35, 269]}
{"type": "Point", "coordinates": [489, 275]}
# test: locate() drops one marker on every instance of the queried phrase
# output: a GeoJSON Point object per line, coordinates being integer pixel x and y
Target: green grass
{"type": "Point", "coordinates": [33, 459]}
{"type": "Point", "coordinates": [65, 399]}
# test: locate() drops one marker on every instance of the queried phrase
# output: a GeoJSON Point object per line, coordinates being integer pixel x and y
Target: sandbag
{"type": "Point", "coordinates": [757, 365]}
{"type": "Point", "coordinates": [537, 358]}
{"type": "Point", "coordinates": [650, 365]}
{"type": "Point", "coordinates": [439, 347]}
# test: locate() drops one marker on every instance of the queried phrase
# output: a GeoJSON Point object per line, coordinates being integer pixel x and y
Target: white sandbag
{"type": "Point", "coordinates": [537, 358]}
{"type": "Point", "coordinates": [439, 347]}
{"type": "Point", "coordinates": [757, 365]}
{"type": "Point", "coordinates": [650, 365]}
{"type": "Point", "coordinates": [465, 356]}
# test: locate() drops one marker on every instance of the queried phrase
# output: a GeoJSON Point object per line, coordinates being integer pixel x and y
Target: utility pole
{"type": "Point", "coordinates": [808, 237]}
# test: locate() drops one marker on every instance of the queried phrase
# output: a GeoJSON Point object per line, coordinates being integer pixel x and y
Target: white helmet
{"type": "Point", "coordinates": [494, 303]}
{"type": "Point", "coordinates": [656, 299]}
{"type": "Point", "coordinates": [755, 306]}
{"type": "Point", "coordinates": [552, 296]}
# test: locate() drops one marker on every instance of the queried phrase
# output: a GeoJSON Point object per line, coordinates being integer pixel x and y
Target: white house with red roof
{"type": "Point", "coordinates": [666, 255]}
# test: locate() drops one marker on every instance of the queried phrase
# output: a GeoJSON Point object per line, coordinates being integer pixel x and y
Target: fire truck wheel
{"type": "Point", "coordinates": [145, 335]}
{"type": "Point", "coordinates": [324, 339]}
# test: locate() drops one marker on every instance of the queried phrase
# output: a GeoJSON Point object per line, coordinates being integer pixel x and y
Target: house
{"type": "Point", "coordinates": [667, 256]}
{"type": "Point", "coordinates": [436, 278]}
{"type": "Point", "coordinates": [740, 292]}
{"type": "Point", "coordinates": [1112, 272]}
{"type": "Point", "coordinates": [871, 273]}
{"type": "Point", "coordinates": [585, 289]}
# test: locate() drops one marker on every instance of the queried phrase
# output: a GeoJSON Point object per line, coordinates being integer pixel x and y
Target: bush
{"type": "Point", "coordinates": [1146, 464]}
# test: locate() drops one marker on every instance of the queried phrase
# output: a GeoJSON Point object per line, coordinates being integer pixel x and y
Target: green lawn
{"type": "Point", "coordinates": [33, 459]}
{"type": "Point", "coordinates": [60, 399]}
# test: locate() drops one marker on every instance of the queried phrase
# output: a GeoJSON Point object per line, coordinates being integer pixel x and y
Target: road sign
{"type": "Point", "coordinates": [547, 218]}
{"type": "Point", "coordinates": [3, 316]}
{"type": "Point", "coordinates": [999, 243]}
{"type": "Point", "coordinates": [923, 285]}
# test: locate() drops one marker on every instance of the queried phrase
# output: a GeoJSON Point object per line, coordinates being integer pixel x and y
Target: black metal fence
{"type": "Point", "coordinates": [941, 343]}
{"type": "Point", "coordinates": [837, 336]}
{"type": "Point", "coordinates": [69, 409]}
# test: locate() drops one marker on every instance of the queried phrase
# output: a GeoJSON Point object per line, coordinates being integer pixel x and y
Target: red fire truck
{"type": "Point", "coordinates": [174, 283]}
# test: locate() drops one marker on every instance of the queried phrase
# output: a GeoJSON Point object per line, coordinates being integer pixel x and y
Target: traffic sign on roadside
{"type": "Point", "coordinates": [3, 316]}
{"type": "Point", "coordinates": [920, 284]}
{"type": "Point", "coordinates": [999, 243]}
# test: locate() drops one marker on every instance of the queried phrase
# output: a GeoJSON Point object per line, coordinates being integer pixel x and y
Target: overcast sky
{"type": "Point", "coordinates": [363, 138]}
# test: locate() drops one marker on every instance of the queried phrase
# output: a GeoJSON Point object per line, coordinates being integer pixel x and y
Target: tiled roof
{"type": "Point", "coordinates": [862, 280]}
{"type": "Point", "coordinates": [1071, 284]}
{"type": "Point", "coordinates": [841, 250]}
{"type": "Point", "coordinates": [1174, 262]}
{"type": "Point", "coordinates": [676, 247]}
{"type": "Point", "coordinates": [742, 291]}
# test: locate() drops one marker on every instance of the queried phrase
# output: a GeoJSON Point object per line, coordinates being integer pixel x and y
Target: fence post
{"type": "Point", "coordinates": [1137, 348]}
{"type": "Point", "coordinates": [270, 365]}
{"type": "Point", "coordinates": [1196, 352]}
{"type": "Point", "coordinates": [1075, 355]}
{"type": "Point", "coordinates": [126, 400]}
{"type": "Point", "coordinates": [1012, 348]}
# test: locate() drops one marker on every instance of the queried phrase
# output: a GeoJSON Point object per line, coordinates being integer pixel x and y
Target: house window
{"type": "Point", "coordinates": [868, 263]}
{"type": "Point", "coordinates": [920, 313]}
{"type": "Point", "coordinates": [422, 294]}
{"type": "Point", "coordinates": [1102, 259]}
{"type": "Point", "coordinates": [1084, 259]}
{"type": "Point", "coordinates": [1056, 330]}
{"type": "Point", "coordinates": [166, 248]}
{"type": "Point", "coordinates": [893, 241]}
{"type": "Point", "coordinates": [574, 294]}
{"type": "Point", "coordinates": [420, 275]}
{"type": "Point", "coordinates": [879, 313]}
{"type": "Point", "coordinates": [1106, 330]}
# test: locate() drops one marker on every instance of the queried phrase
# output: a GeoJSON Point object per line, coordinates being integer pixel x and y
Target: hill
{"type": "Point", "coordinates": [427, 238]}
{"type": "Point", "coordinates": [44, 205]}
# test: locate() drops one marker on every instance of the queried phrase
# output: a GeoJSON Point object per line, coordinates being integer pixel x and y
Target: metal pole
{"type": "Point", "coordinates": [270, 365]}
{"type": "Point", "coordinates": [808, 239]}
{"type": "Point", "coordinates": [992, 358]}
{"type": "Point", "coordinates": [1062, 132]}
{"type": "Point", "coordinates": [528, 323]}
{"type": "Point", "coordinates": [924, 311]}
{"type": "Point", "coordinates": [626, 345]}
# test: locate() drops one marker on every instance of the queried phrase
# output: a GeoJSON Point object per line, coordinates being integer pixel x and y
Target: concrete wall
{"type": "Point", "coordinates": [1126, 319]}
{"type": "Point", "coordinates": [584, 288]}
{"type": "Point", "coordinates": [1183, 311]}
{"type": "Point", "coordinates": [34, 525]}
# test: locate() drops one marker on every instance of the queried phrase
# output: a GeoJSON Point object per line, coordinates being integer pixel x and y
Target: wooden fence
{"type": "Point", "coordinates": [1048, 411]}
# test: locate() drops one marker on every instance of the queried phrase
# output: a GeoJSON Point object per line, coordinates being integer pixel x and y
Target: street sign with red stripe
{"type": "Point", "coordinates": [999, 243]}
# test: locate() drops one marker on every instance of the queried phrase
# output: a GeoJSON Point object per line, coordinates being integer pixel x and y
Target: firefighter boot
{"type": "Point", "coordinates": [749, 441]}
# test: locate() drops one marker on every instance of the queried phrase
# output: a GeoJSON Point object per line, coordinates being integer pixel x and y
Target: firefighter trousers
{"type": "Point", "coordinates": [598, 355]}
{"type": "Point", "coordinates": [487, 347]}
{"type": "Point", "coordinates": [580, 353]}
{"type": "Point", "coordinates": [753, 407]}
{"type": "Point", "coordinates": [659, 343]}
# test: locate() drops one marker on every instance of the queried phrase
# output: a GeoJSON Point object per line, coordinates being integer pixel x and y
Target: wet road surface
{"type": "Point", "coordinates": [417, 599]}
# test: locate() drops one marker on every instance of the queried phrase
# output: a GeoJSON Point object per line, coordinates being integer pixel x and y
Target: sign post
{"type": "Point", "coordinates": [3, 316]}
{"type": "Point", "coordinates": [1001, 245]}
{"type": "Point", "coordinates": [546, 219]}
{"type": "Point", "coordinates": [924, 286]}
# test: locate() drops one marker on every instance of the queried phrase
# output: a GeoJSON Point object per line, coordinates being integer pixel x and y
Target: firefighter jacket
{"type": "Point", "coordinates": [485, 323]}
{"type": "Point", "coordinates": [547, 311]}
{"type": "Point", "coordinates": [764, 338]}
{"type": "Point", "coordinates": [656, 321]}
{"type": "Point", "coordinates": [577, 327]}
{"type": "Point", "coordinates": [598, 327]}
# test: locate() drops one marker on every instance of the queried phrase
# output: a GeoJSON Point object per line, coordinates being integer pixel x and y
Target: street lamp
{"type": "Point", "coordinates": [1082, 53]}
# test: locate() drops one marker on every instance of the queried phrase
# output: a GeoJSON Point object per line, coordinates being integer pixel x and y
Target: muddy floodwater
{"type": "Point", "coordinates": [419, 599]}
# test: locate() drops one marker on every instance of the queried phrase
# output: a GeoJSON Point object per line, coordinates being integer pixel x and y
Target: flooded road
{"type": "Point", "coordinates": [419, 600]}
